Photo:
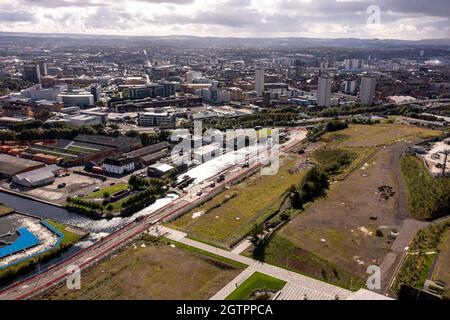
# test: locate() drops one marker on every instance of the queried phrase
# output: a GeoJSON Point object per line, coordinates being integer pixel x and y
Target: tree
{"type": "Point", "coordinates": [145, 139]}
{"type": "Point", "coordinates": [132, 133]}
{"type": "Point", "coordinates": [7, 135]}
{"type": "Point", "coordinates": [257, 230]}
{"type": "Point", "coordinates": [110, 208]}
{"type": "Point", "coordinates": [296, 201]}
{"type": "Point", "coordinates": [133, 182]}
{"type": "Point", "coordinates": [43, 115]}
{"type": "Point", "coordinates": [106, 195]}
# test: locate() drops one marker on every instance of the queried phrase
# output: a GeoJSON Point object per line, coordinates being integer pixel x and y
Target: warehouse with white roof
{"type": "Point", "coordinates": [36, 178]}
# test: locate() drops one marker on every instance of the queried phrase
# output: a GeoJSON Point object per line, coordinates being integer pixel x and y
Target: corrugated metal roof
{"type": "Point", "coordinates": [10, 165]}
{"type": "Point", "coordinates": [38, 174]}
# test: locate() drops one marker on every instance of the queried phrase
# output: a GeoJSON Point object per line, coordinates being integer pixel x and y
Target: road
{"type": "Point", "coordinates": [83, 259]}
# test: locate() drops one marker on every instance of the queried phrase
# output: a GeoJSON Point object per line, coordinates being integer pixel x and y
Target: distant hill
{"type": "Point", "coordinates": [71, 39]}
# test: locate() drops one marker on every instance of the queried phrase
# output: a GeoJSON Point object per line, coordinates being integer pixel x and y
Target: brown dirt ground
{"type": "Point", "coordinates": [154, 272]}
{"type": "Point", "coordinates": [342, 219]}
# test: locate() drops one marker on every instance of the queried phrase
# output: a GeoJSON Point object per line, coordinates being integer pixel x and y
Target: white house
{"type": "Point", "coordinates": [118, 165]}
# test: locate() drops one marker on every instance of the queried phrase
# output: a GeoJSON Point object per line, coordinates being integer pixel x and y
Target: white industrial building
{"type": "Point", "coordinates": [156, 119]}
{"type": "Point", "coordinates": [158, 170]}
{"type": "Point", "coordinates": [206, 153]}
{"type": "Point", "coordinates": [84, 120]}
{"type": "Point", "coordinates": [36, 178]}
{"type": "Point", "coordinates": [36, 92]}
{"type": "Point", "coordinates": [71, 99]}
{"type": "Point", "coordinates": [118, 165]}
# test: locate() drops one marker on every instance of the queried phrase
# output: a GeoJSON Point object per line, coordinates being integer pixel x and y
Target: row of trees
{"type": "Point", "coordinates": [12, 85]}
{"type": "Point", "coordinates": [322, 128]}
{"type": "Point", "coordinates": [265, 119]}
{"type": "Point", "coordinates": [313, 185]}
{"type": "Point", "coordinates": [139, 183]}
{"type": "Point", "coordinates": [83, 203]}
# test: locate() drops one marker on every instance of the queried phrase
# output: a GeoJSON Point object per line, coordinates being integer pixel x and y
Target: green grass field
{"type": "Point", "coordinates": [364, 136]}
{"type": "Point", "coordinates": [70, 238]}
{"type": "Point", "coordinates": [428, 197]}
{"type": "Point", "coordinates": [361, 141]}
{"type": "Point", "coordinates": [98, 197]}
{"type": "Point", "coordinates": [111, 190]}
{"type": "Point", "coordinates": [428, 262]}
{"type": "Point", "coordinates": [334, 161]}
{"type": "Point", "coordinates": [232, 214]}
{"type": "Point", "coordinates": [257, 281]}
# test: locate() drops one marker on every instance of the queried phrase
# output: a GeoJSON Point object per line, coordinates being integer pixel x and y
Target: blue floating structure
{"type": "Point", "coordinates": [25, 241]}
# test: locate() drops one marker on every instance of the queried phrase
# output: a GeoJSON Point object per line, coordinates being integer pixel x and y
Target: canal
{"type": "Point", "coordinates": [96, 228]}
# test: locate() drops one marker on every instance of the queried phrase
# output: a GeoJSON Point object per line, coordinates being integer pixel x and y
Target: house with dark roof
{"type": "Point", "coordinates": [118, 166]}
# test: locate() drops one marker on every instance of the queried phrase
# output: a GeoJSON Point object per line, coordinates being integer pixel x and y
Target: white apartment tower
{"type": "Point", "coordinates": [259, 82]}
{"type": "Point", "coordinates": [324, 91]}
{"type": "Point", "coordinates": [367, 90]}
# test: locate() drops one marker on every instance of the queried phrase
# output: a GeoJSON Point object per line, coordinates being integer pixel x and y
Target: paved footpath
{"type": "Point", "coordinates": [297, 285]}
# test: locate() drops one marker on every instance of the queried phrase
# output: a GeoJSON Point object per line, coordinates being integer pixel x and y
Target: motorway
{"type": "Point", "coordinates": [57, 273]}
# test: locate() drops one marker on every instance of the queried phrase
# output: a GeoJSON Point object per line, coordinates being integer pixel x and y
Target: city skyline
{"type": "Point", "coordinates": [403, 20]}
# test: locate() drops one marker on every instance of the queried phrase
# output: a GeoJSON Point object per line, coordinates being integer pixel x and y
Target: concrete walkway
{"type": "Point", "coordinates": [242, 246]}
{"type": "Point", "coordinates": [297, 285]}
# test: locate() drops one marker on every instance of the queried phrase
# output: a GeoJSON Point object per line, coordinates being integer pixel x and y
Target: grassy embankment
{"type": "Point", "coordinates": [228, 217]}
{"type": "Point", "coordinates": [428, 197]}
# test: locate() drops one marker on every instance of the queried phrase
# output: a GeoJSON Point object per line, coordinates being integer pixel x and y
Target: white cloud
{"type": "Point", "coordinates": [403, 19]}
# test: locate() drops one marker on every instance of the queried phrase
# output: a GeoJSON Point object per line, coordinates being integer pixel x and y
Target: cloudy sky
{"type": "Point", "coordinates": [400, 19]}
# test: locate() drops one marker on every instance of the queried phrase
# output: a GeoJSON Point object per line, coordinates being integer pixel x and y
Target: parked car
{"type": "Point", "coordinates": [61, 185]}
